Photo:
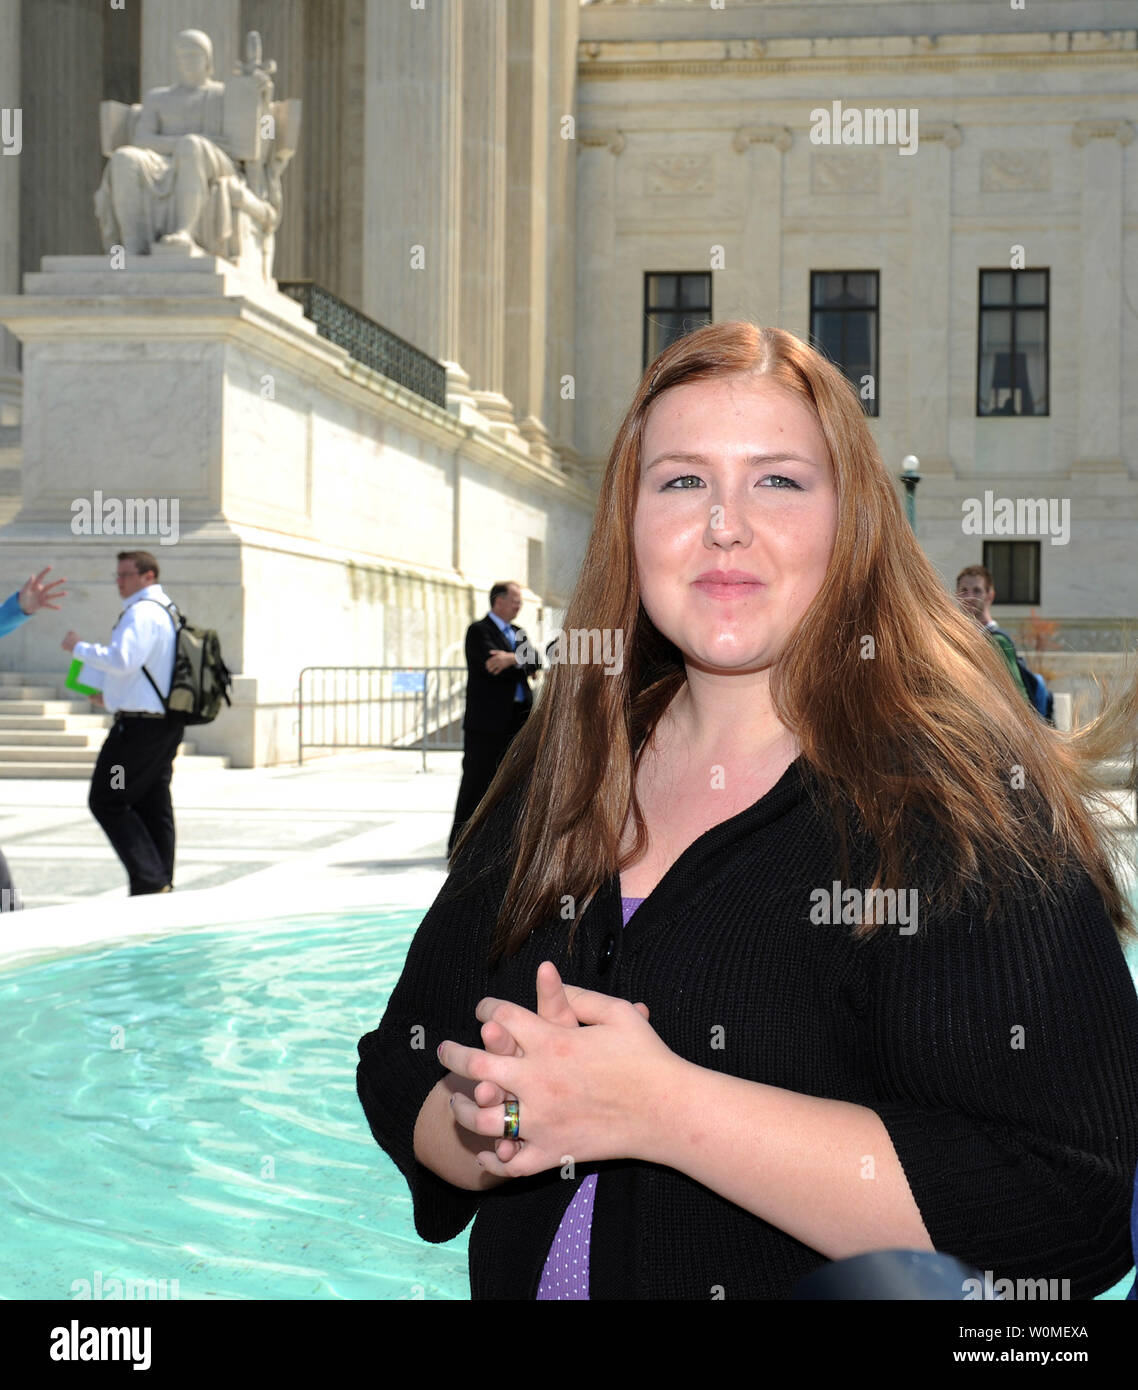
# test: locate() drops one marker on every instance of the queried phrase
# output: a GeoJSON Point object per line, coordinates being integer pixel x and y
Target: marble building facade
{"type": "Point", "coordinates": [546, 157]}
{"type": "Point", "coordinates": [695, 130]}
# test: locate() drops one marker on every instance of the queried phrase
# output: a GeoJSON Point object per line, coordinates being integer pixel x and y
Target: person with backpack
{"type": "Point", "coordinates": [976, 592]}
{"type": "Point", "coordinates": [130, 787]}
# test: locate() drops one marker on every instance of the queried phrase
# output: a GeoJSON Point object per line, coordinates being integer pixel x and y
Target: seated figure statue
{"type": "Point", "coordinates": [193, 177]}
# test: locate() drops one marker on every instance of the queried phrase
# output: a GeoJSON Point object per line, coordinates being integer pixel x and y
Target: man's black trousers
{"type": "Point", "coordinates": [481, 754]}
{"type": "Point", "coordinates": [130, 797]}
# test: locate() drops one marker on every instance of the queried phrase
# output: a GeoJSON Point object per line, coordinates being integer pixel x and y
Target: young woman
{"type": "Point", "coordinates": [855, 886]}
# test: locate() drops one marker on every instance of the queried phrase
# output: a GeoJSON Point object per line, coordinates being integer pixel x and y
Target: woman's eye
{"type": "Point", "coordinates": [779, 480]}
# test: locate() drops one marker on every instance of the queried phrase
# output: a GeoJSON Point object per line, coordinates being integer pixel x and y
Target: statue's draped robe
{"type": "Point", "coordinates": [196, 157]}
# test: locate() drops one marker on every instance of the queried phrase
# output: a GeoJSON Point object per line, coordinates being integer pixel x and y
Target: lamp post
{"type": "Point", "coordinates": [910, 476]}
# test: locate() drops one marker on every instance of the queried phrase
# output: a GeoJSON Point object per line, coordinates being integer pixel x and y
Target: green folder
{"type": "Point", "coordinates": [72, 681]}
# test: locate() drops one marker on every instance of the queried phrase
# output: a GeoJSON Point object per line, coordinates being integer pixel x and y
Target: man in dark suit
{"type": "Point", "coordinates": [499, 664]}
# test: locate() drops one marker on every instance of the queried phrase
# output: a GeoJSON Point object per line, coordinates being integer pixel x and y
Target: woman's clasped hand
{"type": "Point", "coordinates": [585, 1094]}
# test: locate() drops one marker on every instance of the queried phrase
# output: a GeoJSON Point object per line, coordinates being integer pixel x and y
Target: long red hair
{"type": "Point", "coordinates": [931, 731]}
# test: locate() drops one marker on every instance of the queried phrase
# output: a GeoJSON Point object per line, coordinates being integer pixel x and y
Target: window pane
{"type": "Point", "coordinates": [1031, 359]}
{"type": "Point", "coordinates": [1025, 572]}
{"type": "Point", "coordinates": [662, 291]}
{"type": "Point", "coordinates": [857, 338]}
{"type": "Point", "coordinates": [665, 328]}
{"type": "Point", "coordinates": [828, 334]}
{"type": "Point", "coordinates": [695, 291]}
{"type": "Point", "coordinates": [996, 380]}
{"type": "Point", "coordinates": [1015, 570]}
{"type": "Point", "coordinates": [861, 289]}
{"type": "Point", "coordinates": [998, 561]}
{"type": "Point", "coordinates": [996, 287]}
{"type": "Point", "coordinates": [827, 290]}
{"type": "Point", "coordinates": [1031, 287]}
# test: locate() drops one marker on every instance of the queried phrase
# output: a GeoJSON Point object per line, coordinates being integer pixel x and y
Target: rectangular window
{"type": "Point", "coordinates": [535, 565]}
{"type": "Point", "coordinates": [1014, 567]}
{"type": "Point", "coordinates": [1013, 366]}
{"type": "Point", "coordinates": [675, 303]}
{"type": "Point", "coordinates": [844, 325]}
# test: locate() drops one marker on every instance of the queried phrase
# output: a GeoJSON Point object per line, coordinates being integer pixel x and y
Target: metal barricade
{"type": "Point", "coordinates": [380, 707]}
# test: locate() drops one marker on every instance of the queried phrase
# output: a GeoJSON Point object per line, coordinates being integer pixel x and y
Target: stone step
{"type": "Point", "coordinates": [52, 678]}
{"type": "Point", "coordinates": [83, 751]}
{"type": "Point", "coordinates": [54, 722]}
{"type": "Point", "coordinates": [28, 692]}
{"type": "Point", "coordinates": [58, 769]}
{"type": "Point", "coordinates": [33, 753]}
{"type": "Point", "coordinates": [48, 707]}
{"type": "Point", "coordinates": [72, 738]}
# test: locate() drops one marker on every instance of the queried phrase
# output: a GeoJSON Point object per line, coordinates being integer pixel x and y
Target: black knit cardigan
{"type": "Point", "coordinates": [1000, 1059]}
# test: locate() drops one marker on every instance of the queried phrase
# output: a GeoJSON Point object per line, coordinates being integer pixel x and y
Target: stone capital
{"type": "Point", "coordinates": [948, 132]}
{"type": "Point", "coordinates": [777, 135]}
{"type": "Point", "coordinates": [601, 139]}
{"type": "Point", "coordinates": [1085, 131]}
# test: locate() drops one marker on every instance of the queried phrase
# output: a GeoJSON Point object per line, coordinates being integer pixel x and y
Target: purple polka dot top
{"type": "Point", "coordinates": [566, 1272]}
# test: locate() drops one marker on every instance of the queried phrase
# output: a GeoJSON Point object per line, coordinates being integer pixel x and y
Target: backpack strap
{"type": "Point", "coordinates": [171, 609]}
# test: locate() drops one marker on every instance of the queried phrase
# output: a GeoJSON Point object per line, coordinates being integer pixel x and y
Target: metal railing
{"type": "Point", "coordinates": [380, 707]}
{"type": "Point", "coordinates": [369, 342]}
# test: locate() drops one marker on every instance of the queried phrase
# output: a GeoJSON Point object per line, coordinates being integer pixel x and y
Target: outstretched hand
{"type": "Point", "coordinates": [36, 594]}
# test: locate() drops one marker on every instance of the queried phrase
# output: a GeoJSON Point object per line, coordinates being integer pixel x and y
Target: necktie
{"type": "Point", "coordinates": [519, 691]}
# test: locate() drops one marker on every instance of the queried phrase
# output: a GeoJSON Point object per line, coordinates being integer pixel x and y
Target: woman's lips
{"type": "Point", "coordinates": [730, 590]}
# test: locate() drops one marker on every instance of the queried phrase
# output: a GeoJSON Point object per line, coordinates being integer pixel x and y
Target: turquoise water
{"type": "Point", "coordinates": [190, 1113]}
{"type": "Point", "coordinates": [217, 1139]}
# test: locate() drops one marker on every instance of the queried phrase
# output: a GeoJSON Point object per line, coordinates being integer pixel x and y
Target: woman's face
{"type": "Point", "coordinates": [734, 476]}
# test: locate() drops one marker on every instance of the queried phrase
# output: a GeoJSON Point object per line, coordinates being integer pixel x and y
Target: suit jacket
{"type": "Point", "coordinates": [490, 699]}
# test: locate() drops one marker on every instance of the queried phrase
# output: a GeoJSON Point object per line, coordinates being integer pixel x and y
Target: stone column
{"type": "Point", "coordinates": [10, 201]}
{"type": "Point", "coordinates": [163, 21]}
{"type": "Point", "coordinates": [762, 148]}
{"type": "Point", "coordinates": [412, 115]}
{"type": "Point", "coordinates": [482, 295]}
{"type": "Point", "coordinates": [61, 85]}
{"type": "Point", "coordinates": [1100, 339]}
{"type": "Point", "coordinates": [930, 206]}
{"type": "Point", "coordinates": [527, 217]}
{"type": "Point", "coordinates": [596, 389]}
{"type": "Point", "coordinates": [558, 412]}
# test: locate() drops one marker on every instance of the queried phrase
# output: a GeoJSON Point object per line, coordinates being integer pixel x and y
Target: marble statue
{"type": "Point", "coordinates": [196, 169]}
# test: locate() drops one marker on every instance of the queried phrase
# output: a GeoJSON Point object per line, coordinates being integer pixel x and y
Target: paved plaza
{"type": "Point", "coordinates": [358, 829]}
{"type": "Point", "coordinates": [354, 830]}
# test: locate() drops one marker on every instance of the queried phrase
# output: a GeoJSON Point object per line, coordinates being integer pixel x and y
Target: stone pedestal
{"type": "Point", "coordinates": [309, 509]}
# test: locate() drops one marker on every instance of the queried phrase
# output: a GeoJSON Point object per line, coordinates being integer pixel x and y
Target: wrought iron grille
{"type": "Point", "coordinates": [369, 342]}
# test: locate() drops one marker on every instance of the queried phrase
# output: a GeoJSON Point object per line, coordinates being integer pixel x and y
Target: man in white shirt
{"type": "Point", "coordinates": [130, 787]}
